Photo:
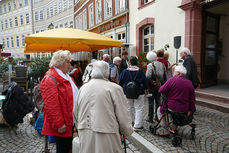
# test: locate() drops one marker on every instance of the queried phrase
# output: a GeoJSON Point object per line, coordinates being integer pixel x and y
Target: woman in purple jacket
{"type": "Point", "coordinates": [180, 95]}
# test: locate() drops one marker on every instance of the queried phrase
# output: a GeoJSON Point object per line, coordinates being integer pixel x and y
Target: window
{"type": "Point", "coordinates": [11, 25]}
{"type": "Point", "coordinates": [21, 19]}
{"type": "Point", "coordinates": [147, 1]}
{"type": "Point", "coordinates": [77, 22]}
{"type": "Point", "coordinates": [91, 14]}
{"type": "Point", "coordinates": [84, 20]}
{"type": "Point", "coordinates": [15, 4]}
{"type": "Point", "coordinates": [65, 4]}
{"type": "Point", "coordinates": [16, 21]}
{"type": "Point", "coordinates": [37, 31]}
{"type": "Point", "coordinates": [0, 10]}
{"type": "Point", "coordinates": [148, 38]}
{"type": "Point", "coordinates": [51, 11]}
{"type": "Point", "coordinates": [3, 41]}
{"type": "Point", "coordinates": [7, 43]}
{"type": "Point", "coordinates": [23, 40]}
{"type": "Point", "coordinates": [55, 9]}
{"type": "Point", "coordinates": [17, 41]}
{"type": "Point", "coordinates": [2, 25]}
{"type": "Point", "coordinates": [6, 23]}
{"type": "Point", "coordinates": [41, 15]}
{"type": "Point", "coordinates": [9, 6]}
{"type": "Point", "coordinates": [66, 25]}
{"type": "Point", "coordinates": [60, 5]}
{"type": "Point", "coordinates": [56, 27]}
{"type": "Point", "coordinates": [61, 25]}
{"type": "Point", "coordinates": [12, 42]}
{"type": "Point", "coordinates": [81, 21]}
{"type": "Point", "coordinates": [47, 11]}
{"type": "Point", "coordinates": [20, 3]}
{"type": "Point", "coordinates": [98, 12]}
{"type": "Point", "coordinates": [70, 3]}
{"type": "Point", "coordinates": [36, 16]}
{"type": "Point", "coordinates": [27, 18]}
{"type": "Point", "coordinates": [71, 24]}
{"type": "Point", "coordinates": [107, 8]}
{"type": "Point", "coordinates": [4, 7]}
{"type": "Point", "coordinates": [26, 2]}
{"type": "Point", "coordinates": [120, 6]}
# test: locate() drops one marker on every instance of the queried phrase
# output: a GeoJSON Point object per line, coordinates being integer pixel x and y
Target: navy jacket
{"type": "Point", "coordinates": [140, 79]}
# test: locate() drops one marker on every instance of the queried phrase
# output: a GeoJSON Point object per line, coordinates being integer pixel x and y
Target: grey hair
{"type": "Point", "coordinates": [106, 55]}
{"type": "Point", "coordinates": [59, 58]}
{"type": "Point", "coordinates": [186, 50]}
{"type": "Point", "coordinates": [116, 59]}
{"type": "Point", "coordinates": [181, 69]}
{"type": "Point", "coordinates": [100, 70]}
{"type": "Point", "coordinates": [151, 56]}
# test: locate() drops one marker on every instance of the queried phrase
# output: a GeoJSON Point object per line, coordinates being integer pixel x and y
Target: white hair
{"type": "Point", "coordinates": [106, 55]}
{"type": "Point", "coordinates": [151, 56]}
{"type": "Point", "coordinates": [181, 69]}
{"type": "Point", "coordinates": [186, 50]}
{"type": "Point", "coordinates": [59, 58]}
{"type": "Point", "coordinates": [100, 70]}
{"type": "Point", "coordinates": [116, 59]}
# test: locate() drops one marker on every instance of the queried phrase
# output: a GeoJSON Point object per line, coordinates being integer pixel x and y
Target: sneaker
{"type": "Point", "coordinates": [138, 129]}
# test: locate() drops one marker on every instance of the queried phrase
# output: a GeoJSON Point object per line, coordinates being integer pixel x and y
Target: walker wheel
{"type": "Point", "coordinates": [152, 129]}
{"type": "Point", "coordinates": [176, 141]}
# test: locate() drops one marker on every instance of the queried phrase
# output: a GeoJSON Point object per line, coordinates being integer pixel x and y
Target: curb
{"type": "Point", "coordinates": [144, 145]}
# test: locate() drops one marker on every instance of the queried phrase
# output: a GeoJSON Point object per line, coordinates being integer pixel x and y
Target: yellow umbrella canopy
{"type": "Point", "coordinates": [70, 39]}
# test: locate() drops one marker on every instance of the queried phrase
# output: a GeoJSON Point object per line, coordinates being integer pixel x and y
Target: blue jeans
{"type": "Point", "coordinates": [156, 98]}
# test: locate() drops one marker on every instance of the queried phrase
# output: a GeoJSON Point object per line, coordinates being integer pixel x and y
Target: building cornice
{"type": "Point", "coordinates": [190, 5]}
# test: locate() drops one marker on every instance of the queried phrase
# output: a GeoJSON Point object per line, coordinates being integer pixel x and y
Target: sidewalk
{"type": "Point", "coordinates": [212, 134]}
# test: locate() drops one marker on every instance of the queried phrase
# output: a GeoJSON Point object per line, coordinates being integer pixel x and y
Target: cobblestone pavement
{"type": "Point", "coordinates": [212, 134]}
{"type": "Point", "coordinates": [25, 139]}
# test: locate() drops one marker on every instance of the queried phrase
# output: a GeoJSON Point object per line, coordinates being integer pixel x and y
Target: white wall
{"type": "Point", "coordinates": [169, 22]}
{"type": "Point", "coordinates": [223, 61]}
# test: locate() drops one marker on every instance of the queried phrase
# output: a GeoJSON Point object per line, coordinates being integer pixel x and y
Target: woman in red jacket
{"type": "Point", "coordinates": [58, 91]}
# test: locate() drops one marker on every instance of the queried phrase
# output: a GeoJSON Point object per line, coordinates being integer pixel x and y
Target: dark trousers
{"type": "Point", "coordinates": [155, 99]}
{"type": "Point", "coordinates": [63, 144]}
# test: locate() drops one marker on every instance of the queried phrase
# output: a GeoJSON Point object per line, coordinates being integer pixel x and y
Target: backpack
{"type": "Point", "coordinates": [132, 88]}
{"type": "Point", "coordinates": [16, 105]}
{"type": "Point", "coordinates": [154, 84]}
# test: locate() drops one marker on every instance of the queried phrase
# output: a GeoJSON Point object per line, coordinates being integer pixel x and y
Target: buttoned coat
{"type": "Point", "coordinates": [100, 114]}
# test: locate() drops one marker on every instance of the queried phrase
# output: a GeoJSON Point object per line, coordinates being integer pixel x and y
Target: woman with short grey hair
{"type": "Point", "coordinates": [100, 113]}
{"type": "Point", "coordinates": [58, 91]}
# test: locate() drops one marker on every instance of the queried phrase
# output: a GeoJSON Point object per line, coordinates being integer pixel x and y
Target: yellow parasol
{"type": "Point", "coordinates": [70, 39]}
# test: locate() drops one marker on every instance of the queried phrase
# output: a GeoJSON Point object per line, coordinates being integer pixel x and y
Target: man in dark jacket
{"type": "Point", "coordinates": [124, 62]}
{"type": "Point", "coordinates": [191, 67]}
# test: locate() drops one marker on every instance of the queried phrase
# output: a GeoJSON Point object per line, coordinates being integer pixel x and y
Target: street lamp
{"type": "Point", "coordinates": [51, 26]}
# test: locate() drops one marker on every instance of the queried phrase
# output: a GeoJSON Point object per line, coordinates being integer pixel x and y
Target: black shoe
{"type": "Point", "coordinates": [132, 124]}
{"type": "Point", "coordinates": [150, 121]}
{"type": "Point", "coordinates": [138, 129]}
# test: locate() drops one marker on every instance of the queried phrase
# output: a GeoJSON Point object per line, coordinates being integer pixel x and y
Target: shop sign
{"type": "Point", "coordinates": [111, 25]}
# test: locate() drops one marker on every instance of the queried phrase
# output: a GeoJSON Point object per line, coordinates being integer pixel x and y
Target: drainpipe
{"type": "Point", "coordinates": [127, 24]}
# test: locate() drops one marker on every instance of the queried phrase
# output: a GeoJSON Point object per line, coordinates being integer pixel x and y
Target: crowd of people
{"type": "Point", "coordinates": [111, 101]}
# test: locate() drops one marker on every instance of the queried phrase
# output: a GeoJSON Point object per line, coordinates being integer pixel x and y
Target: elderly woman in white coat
{"type": "Point", "coordinates": [100, 113]}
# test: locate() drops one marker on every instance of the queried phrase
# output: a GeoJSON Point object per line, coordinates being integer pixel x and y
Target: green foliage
{"type": "Point", "coordinates": [39, 67]}
{"type": "Point", "coordinates": [4, 62]}
{"type": "Point", "coordinates": [142, 61]}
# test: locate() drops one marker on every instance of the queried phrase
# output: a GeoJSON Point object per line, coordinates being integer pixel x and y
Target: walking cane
{"type": "Point", "coordinates": [124, 141]}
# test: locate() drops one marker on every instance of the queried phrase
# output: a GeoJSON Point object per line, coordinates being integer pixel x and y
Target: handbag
{"type": "Point", "coordinates": [154, 85]}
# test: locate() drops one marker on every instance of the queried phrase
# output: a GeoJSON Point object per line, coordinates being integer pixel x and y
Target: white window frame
{"type": "Point", "coordinates": [41, 14]}
{"type": "Point", "coordinates": [147, 1]}
{"type": "Point", "coordinates": [12, 42]}
{"type": "Point", "coordinates": [9, 6]}
{"type": "Point", "coordinates": [107, 9]}
{"type": "Point", "coordinates": [23, 40]}
{"type": "Point", "coordinates": [70, 3]}
{"type": "Point", "coordinates": [81, 21]}
{"type": "Point", "coordinates": [71, 24]}
{"type": "Point", "coordinates": [98, 11]}
{"type": "Point", "coordinates": [27, 18]}
{"type": "Point", "coordinates": [91, 14]}
{"type": "Point", "coordinates": [4, 7]}
{"type": "Point", "coordinates": [26, 2]}
{"type": "Point", "coordinates": [55, 8]}
{"type": "Point", "coordinates": [11, 24]}
{"type": "Point", "coordinates": [6, 24]}
{"type": "Point", "coordinates": [150, 36]}
{"type": "Point", "coordinates": [2, 25]}
{"type": "Point", "coordinates": [17, 41]}
{"type": "Point", "coordinates": [120, 6]}
{"type": "Point", "coordinates": [15, 4]}
{"type": "Point", "coordinates": [65, 5]}
{"type": "Point", "coordinates": [47, 13]}
{"type": "Point", "coordinates": [77, 22]}
{"type": "Point", "coordinates": [7, 42]}
{"type": "Point", "coordinates": [51, 11]}
{"type": "Point", "coordinates": [60, 5]}
{"type": "Point", "coordinates": [66, 25]}
{"type": "Point", "coordinates": [15, 21]}
{"type": "Point", "coordinates": [36, 16]}
{"type": "Point", "coordinates": [21, 19]}
{"type": "Point", "coordinates": [0, 10]}
{"type": "Point", "coordinates": [20, 3]}
{"type": "Point", "coordinates": [84, 18]}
